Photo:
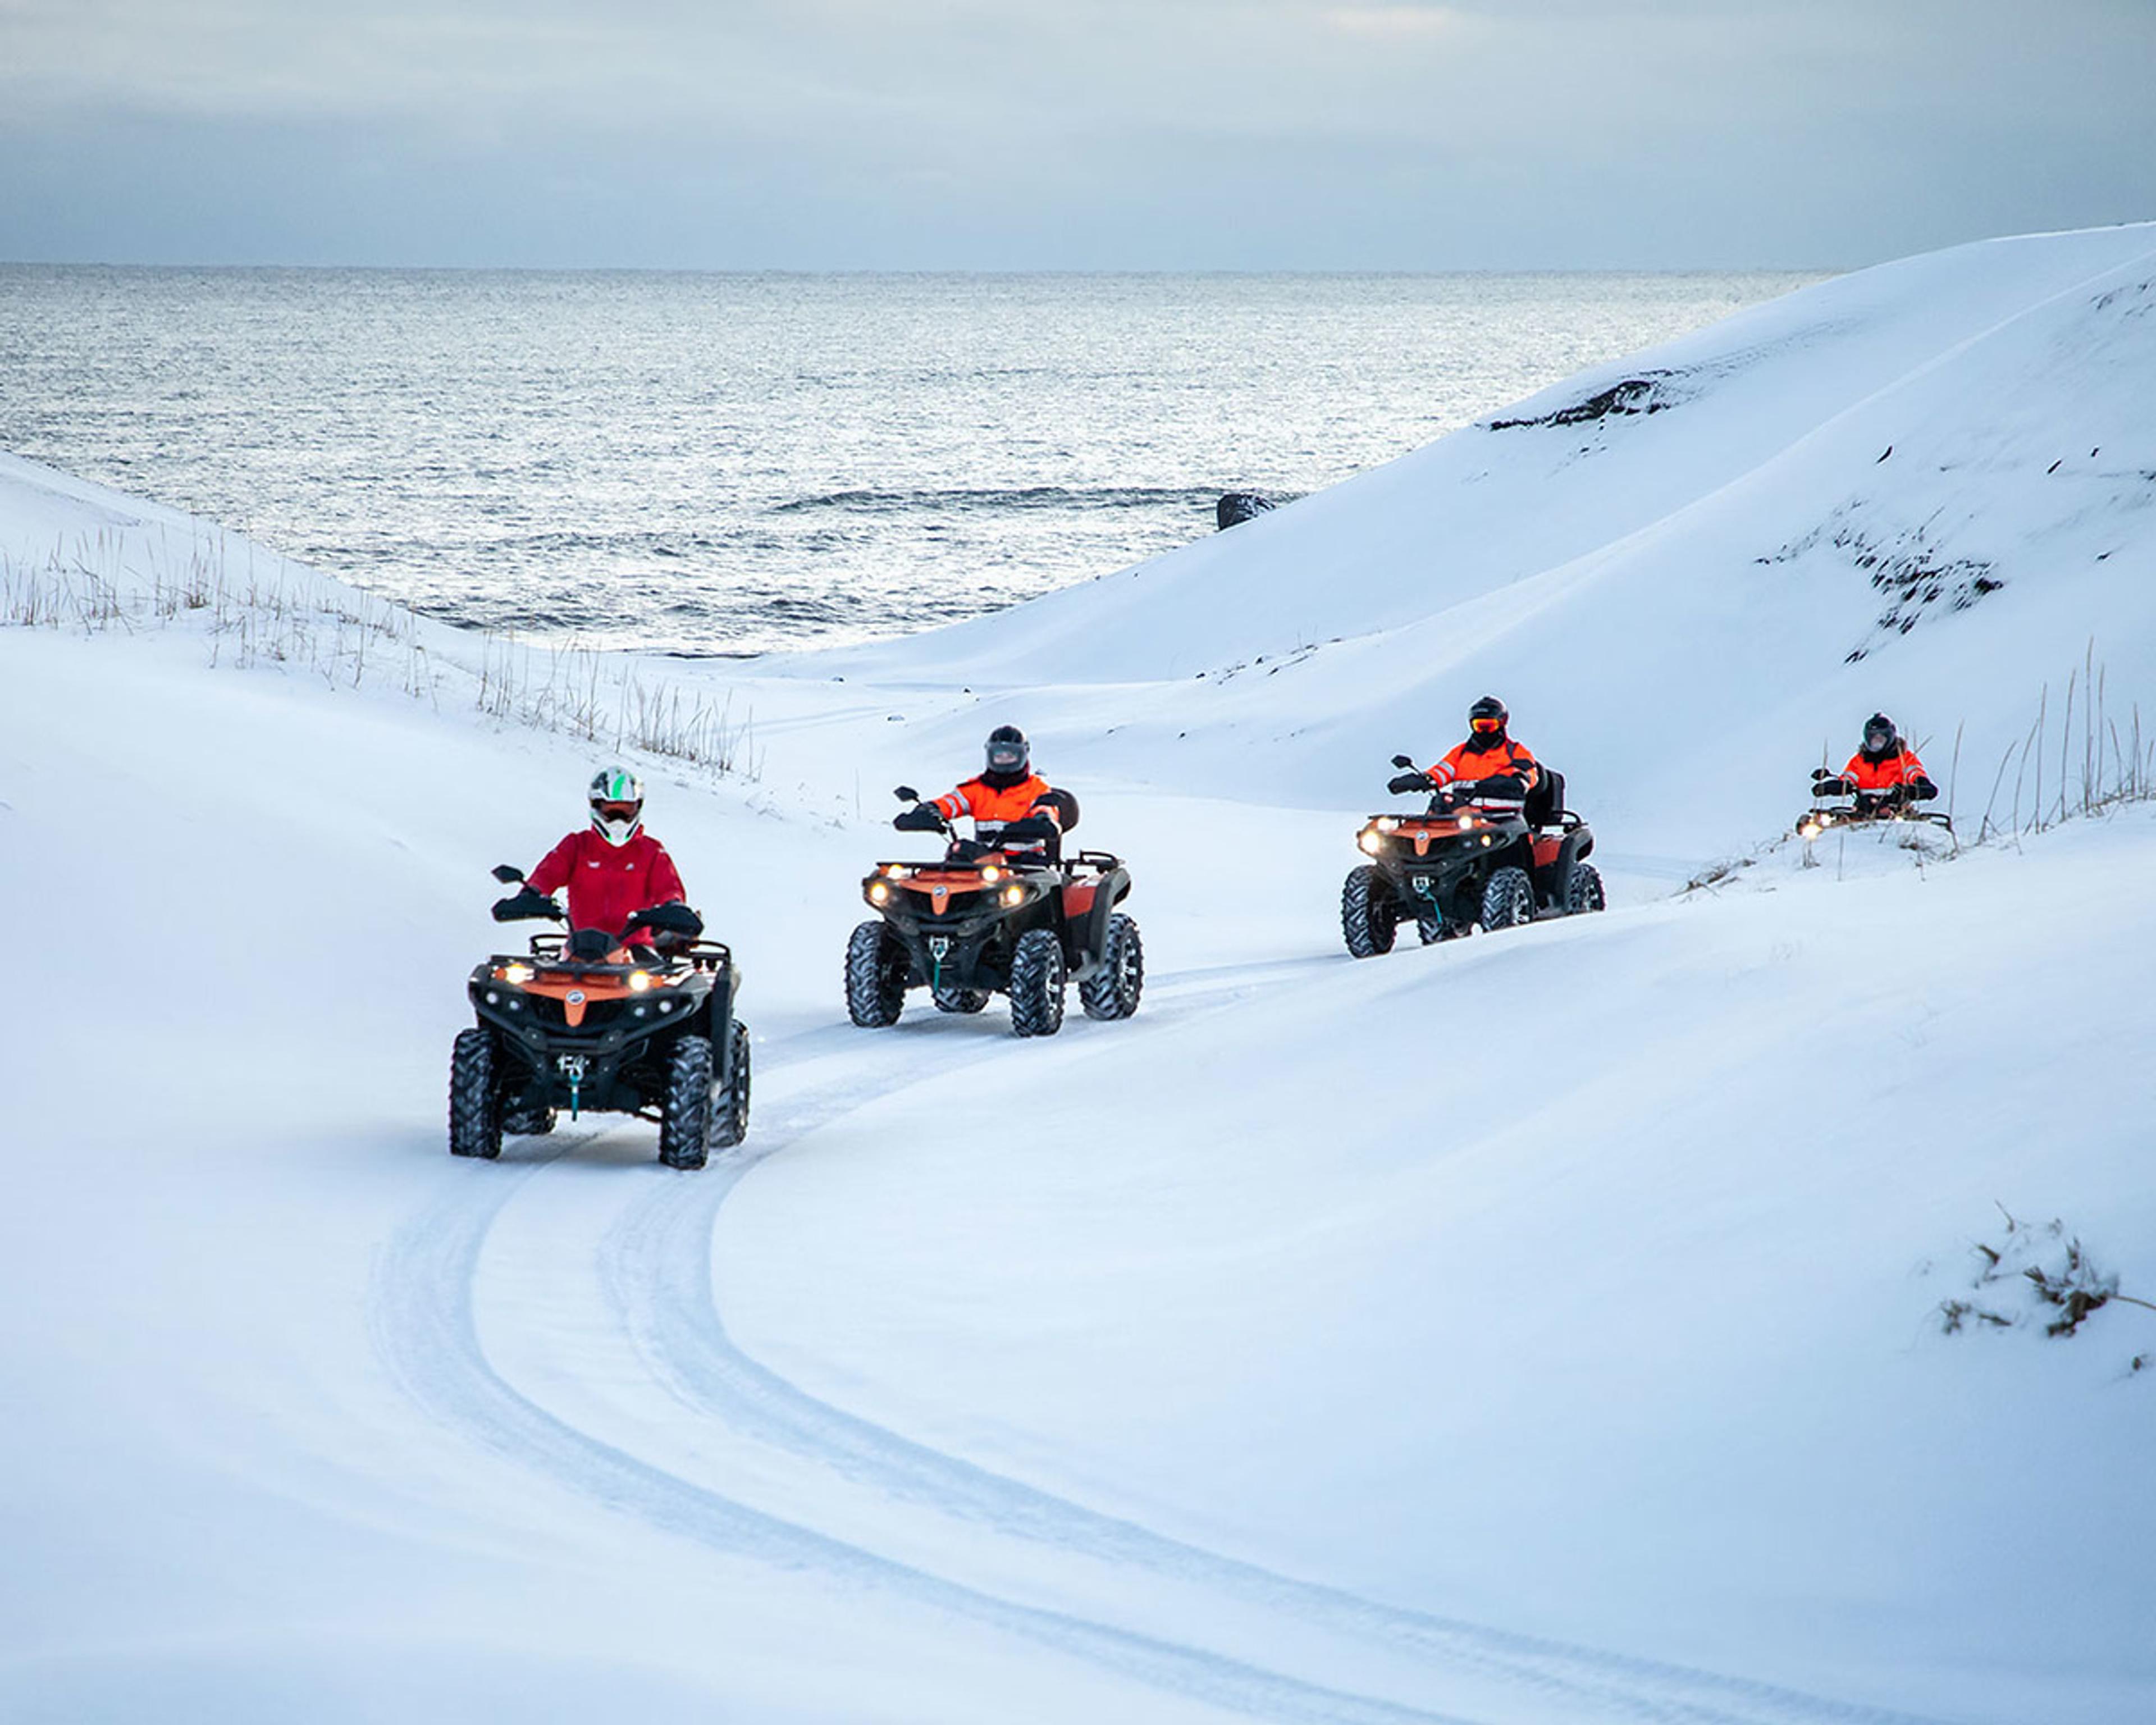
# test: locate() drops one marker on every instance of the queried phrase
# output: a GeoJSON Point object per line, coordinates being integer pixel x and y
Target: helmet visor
{"type": "Point", "coordinates": [617, 811]}
{"type": "Point", "coordinates": [1878, 737]}
{"type": "Point", "coordinates": [1006, 757]}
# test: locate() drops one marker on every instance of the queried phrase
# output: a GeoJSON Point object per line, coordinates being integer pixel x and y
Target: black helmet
{"type": "Point", "coordinates": [1010, 755]}
{"type": "Point", "coordinates": [1487, 708]}
{"type": "Point", "coordinates": [1880, 735]}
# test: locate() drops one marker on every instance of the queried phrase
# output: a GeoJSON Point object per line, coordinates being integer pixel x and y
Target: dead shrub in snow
{"type": "Point", "coordinates": [285, 616]}
{"type": "Point", "coordinates": [2038, 1278]}
{"type": "Point", "coordinates": [2103, 760]}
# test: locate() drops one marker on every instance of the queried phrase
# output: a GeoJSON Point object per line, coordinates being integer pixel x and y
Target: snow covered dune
{"type": "Point", "coordinates": [1926, 487]}
{"type": "Point", "coordinates": [1547, 1329]}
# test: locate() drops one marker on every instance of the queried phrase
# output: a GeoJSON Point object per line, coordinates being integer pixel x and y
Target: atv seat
{"type": "Point", "coordinates": [1545, 804]}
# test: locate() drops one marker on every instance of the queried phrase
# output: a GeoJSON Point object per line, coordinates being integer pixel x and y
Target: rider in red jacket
{"type": "Point", "coordinates": [613, 867]}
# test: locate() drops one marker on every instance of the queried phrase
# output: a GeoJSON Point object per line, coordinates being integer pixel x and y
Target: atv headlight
{"type": "Point", "coordinates": [1387, 823]}
{"type": "Point", "coordinates": [1371, 839]}
{"type": "Point", "coordinates": [878, 893]}
{"type": "Point", "coordinates": [639, 981]}
{"type": "Point", "coordinates": [1466, 823]}
{"type": "Point", "coordinates": [1014, 893]}
{"type": "Point", "coordinates": [992, 874]}
{"type": "Point", "coordinates": [518, 973]}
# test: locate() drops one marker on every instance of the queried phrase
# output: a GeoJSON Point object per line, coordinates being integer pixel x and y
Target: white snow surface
{"type": "Point", "coordinates": [1539, 1327]}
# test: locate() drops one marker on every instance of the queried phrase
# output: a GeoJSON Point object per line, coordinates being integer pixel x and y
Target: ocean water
{"type": "Point", "coordinates": [738, 463]}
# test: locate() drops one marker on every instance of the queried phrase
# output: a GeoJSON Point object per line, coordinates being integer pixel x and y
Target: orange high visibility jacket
{"type": "Point", "coordinates": [997, 804]}
{"type": "Point", "coordinates": [1871, 776]}
{"type": "Point", "coordinates": [1465, 763]}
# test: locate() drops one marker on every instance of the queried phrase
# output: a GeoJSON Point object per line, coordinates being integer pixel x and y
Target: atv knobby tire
{"type": "Point", "coordinates": [730, 1107]}
{"type": "Point", "coordinates": [1112, 991]}
{"type": "Point", "coordinates": [1037, 977]}
{"type": "Point", "coordinates": [1508, 898]}
{"type": "Point", "coordinates": [877, 967]}
{"type": "Point", "coordinates": [685, 1116]}
{"type": "Point", "coordinates": [1369, 914]}
{"type": "Point", "coordinates": [1429, 925]}
{"type": "Point", "coordinates": [1584, 892]}
{"type": "Point", "coordinates": [949, 996]}
{"type": "Point", "coordinates": [475, 1109]}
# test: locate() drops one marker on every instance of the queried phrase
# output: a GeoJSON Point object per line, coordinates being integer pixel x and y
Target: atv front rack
{"type": "Point", "coordinates": [1819, 819]}
{"type": "Point", "coordinates": [546, 949]}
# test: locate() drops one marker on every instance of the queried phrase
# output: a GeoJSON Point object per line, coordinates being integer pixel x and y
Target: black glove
{"type": "Point", "coordinates": [922, 818]}
{"type": "Point", "coordinates": [1922, 790]}
{"type": "Point", "coordinates": [522, 906]}
{"type": "Point", "coordinates": [1400, 784]}
{"type": "Point", "coordinates": [674, 920]}
{"type": "Point", "coordinates": [1033, 828]}
{"type": "Point", "coordinates": [1820, 772]}
{"type": "Point", "coordinates": [1825, 784]}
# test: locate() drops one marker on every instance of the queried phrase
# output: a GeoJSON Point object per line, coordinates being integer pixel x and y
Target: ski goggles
{"type": "Point", "coordinates": [617, 811]}
{"type": "Point", "coordinates": [1485, 727]}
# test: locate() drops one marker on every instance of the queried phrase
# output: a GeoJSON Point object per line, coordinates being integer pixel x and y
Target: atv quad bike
{"type": "Point", "coordinates": [1834, 804]}
{"type": "Point", "coordinates": [1471, 861]}
{"type": "Point", "coordinates": [995, 918]}
{"type": "Point", "coordinates": [584, 1021]}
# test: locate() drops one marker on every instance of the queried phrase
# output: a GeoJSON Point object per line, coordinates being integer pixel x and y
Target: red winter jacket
{"type": "Point", "coordinates": [609, 883]}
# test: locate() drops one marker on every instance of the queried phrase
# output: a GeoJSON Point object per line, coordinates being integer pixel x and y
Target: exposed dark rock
{"type": "Point", "coordinates": [1236, 507]}
{"type": "Point", "coordinates": [1644, 395]}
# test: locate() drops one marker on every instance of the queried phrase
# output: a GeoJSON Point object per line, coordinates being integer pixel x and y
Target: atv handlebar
{"type": "Point", "coordinates": [922, 818]}
{"type": "Point", "coordinates": [673, 917]}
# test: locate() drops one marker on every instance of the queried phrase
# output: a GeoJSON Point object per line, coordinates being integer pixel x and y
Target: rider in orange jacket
{"type": "Point", "coordinates": [1488, 765]}
{"type": "Point", "coordinates": [1012, 806]}
{"type": "Point", "coordinates": [1884, 773]}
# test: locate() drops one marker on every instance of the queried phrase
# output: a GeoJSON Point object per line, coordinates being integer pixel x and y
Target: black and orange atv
{"type": "Point", "coordinates": [584, 1021]}
{"type": "Point", "coordinates": [991, 920]}
{"type": "Point", "coordinates": [1836, 803]}
{"type": "Point", "coordinates": [1472, 860]}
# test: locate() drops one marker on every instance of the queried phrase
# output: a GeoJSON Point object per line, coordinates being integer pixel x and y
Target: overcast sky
{"type": "Point", "coordinates": [1084, 134]}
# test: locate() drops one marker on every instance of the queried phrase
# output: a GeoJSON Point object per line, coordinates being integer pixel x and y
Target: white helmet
{"type": "Point", "coordinates": [617, 804]}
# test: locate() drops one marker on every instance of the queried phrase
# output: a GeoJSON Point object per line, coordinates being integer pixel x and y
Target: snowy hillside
{"type": "Point", "coordinates": [1927, 486]}
{"type": "Point", "coordinates": [1543, 1328]}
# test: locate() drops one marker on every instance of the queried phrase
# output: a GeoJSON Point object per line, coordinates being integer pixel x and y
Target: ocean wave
{"type": "Point", "coordinates": [899, 502]}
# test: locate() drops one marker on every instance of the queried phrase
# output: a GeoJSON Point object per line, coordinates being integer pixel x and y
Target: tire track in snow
{"type": "Point", "coordinates": [421, 1312]}
{"type": "Point", "coordinates": [657, 1266]}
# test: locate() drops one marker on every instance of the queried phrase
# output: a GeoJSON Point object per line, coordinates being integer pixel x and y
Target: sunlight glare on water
{"type": "Point", "coordinates": [730, 464]}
